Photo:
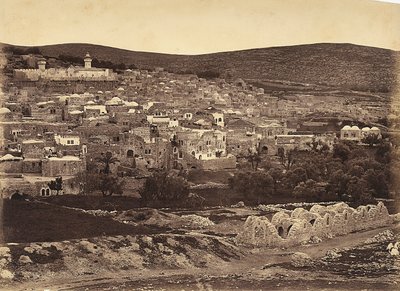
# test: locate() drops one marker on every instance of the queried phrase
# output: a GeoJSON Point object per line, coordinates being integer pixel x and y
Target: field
{"type": "Point", "coordinates": [48, 245]}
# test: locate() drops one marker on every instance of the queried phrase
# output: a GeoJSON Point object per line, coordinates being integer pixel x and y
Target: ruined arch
{"type": "Point", "coordinates": [281, 231]}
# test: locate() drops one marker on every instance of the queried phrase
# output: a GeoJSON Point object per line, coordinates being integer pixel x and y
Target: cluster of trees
{"type": "Point", "coordinates": [351, 172]}
{"type": "Point", "coordinates": [164, 188]}
{"type": "Point", "coordinates": [20, 51]}
{"type": "Point", "coordinates": [96, 63]}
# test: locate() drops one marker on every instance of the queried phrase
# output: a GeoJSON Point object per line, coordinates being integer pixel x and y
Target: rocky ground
{"type": "Point", "coordinates": [198, 251]}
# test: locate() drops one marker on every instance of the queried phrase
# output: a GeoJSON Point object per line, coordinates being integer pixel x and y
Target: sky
{"type": "Point", "coordinates": [199, 26]}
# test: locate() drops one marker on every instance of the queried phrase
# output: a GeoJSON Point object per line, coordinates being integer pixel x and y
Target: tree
{"type": "Point", "coordinates": [287, 158]}
{"type": "Point", "coordinates": [166, 188]}
{"type": "Point", "coordinates": [341, 151]}
{"type": "Point", "coordinates": [371, 139]}
{"type": "Point", "coordinates": [254, 185]}
{"type": "Point", "coordinates": [358, 189]}
{"type": "Point", "coordinates": [56, 185]}
{"type": "Point", "coordinates": [295, 176]}
{"type": "Point", "coordinates": [110, 184]}
{"type": "Point", "coordinates": [277, 176]}
{"type": "Point", "coordinates": [310, 189]}
{"type": "Point", "coordinates": [254, 158]}
{"type": "Point", "coordinates": [106, 159]}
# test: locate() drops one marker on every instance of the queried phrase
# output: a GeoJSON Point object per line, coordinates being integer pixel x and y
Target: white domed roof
{"type": "Point", "coordinates": [114, 101]}
{"type": "Point", "coordinates": [355, 127]}
{"type": "Point", "coordinates": [75, 95]}
{"type": "Point", "coordinates": [366, 128]}
{"type": "Point", "coordinates": [375, 128]}
{"type": "Point", "coordinates": [346, 127]}
{"type": "Point", "coordinates": [131, 104]}
{"type": "Point", "coordinates": [4, 110]}
{"type": "Point", "coordinates": [121, 89]}
{"type": "Point", "coordinates": [90, 103]}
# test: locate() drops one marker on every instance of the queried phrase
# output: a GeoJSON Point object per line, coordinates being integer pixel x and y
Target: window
{"type": "Point", "coordinates": [129, 154]}
{"type": "Point", "coordinates": [208, 142]}
{"type": "Point", "coordinates": [180, 156]}
{"type": "Point", "coordinates": [147, 151]}
{"type": "Point", "coordinates": [175, 150]}
{"type": "Point", "coordinates": [223, 138]}
{"type": "Point", "coordinates": [200, 148]}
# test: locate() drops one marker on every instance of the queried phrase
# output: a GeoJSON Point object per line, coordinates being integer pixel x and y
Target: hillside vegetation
{"type": "Point", "coordinates": [344, 66]}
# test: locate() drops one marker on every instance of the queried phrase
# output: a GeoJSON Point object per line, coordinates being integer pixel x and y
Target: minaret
{"type": "Point", "coordinates": [88, 61]}
{"type": "Point", "coordinates": [42, 64]}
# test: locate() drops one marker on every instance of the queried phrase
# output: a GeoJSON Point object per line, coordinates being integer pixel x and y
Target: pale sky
{"type": "Point", "coordinates": [199, 26]}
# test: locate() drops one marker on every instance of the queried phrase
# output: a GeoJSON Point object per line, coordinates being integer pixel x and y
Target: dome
{"type": "Point", "coordinates": [375, 128]}
{"type": "Point", "coordinates": [4, 110]}
{"type": "Point", "coordinates": [346, 127]}
{"type": "Point", "coordinates": [114, 101]}
{"type": "Point", "coordinates": [365, 129]}
{"type": "Point", "coordinates": [90, 103]}
{"type": "Point", "coordinates": [75, 95]}
{"type": "Point", "coordinates": [121, 89]}
{"type": "Point", "coordinates": [131, 104]}
{"type": "Point", "coordinates": [355, 127]}
{"type": "Point", "coordinates": [99, 92]}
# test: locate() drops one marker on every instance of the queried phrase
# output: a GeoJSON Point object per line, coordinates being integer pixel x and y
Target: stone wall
{"type": "Point", "coordinates": [217, 164]}
{"type": "Point", "coordinates": [301, 225]}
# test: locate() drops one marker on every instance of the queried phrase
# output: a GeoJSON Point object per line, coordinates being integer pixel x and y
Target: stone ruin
{"type": "Point", "coordinates": [319, 222]}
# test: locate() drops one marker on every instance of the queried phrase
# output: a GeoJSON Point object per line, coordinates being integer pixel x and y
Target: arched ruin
{"type": "Point", "coordinates": [321, 221]}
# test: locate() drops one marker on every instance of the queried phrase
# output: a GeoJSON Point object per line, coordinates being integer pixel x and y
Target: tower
{"type": "Point", "coordinates": [42, 64]}
{"type": "Point", "coordinates": [88, 61]}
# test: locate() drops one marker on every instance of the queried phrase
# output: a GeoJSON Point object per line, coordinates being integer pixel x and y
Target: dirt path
{"type": "Point", "coordinates": [258, 269]}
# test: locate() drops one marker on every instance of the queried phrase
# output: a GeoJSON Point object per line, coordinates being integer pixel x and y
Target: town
{"type": "Point", "coordinates": [161, 171]}
{"type": "Point", "coordinates": [58, 122]}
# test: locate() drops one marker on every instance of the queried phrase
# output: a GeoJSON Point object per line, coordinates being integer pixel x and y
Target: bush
{"type": "Point", "coordinates": [166, 189]}
{"type": "Point", "coordinates": [254, 185]}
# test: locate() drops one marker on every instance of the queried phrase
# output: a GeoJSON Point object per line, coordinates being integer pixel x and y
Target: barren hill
{"type": "Point", "coordinates": [345, 66]}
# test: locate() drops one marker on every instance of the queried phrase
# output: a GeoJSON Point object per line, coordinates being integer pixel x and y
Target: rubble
{"type": "Point", "coordinates": [299, 259]}
{"type": "Point", "coordinates": [193, 220]}
{"type": "Point", "coordinates": [24, 260]}
{"type": "Point", "coordinates": [332, 254]}
{"type": "Point", "coordinates": [240, 204]}
{"type": "Point", "coordinates": [6, 274]}
{"type": "Point", "coordinates": [386, 235]}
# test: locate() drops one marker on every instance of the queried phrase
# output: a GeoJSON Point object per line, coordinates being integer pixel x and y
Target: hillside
{"type": "Point", "coordinates": [344, 66]}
